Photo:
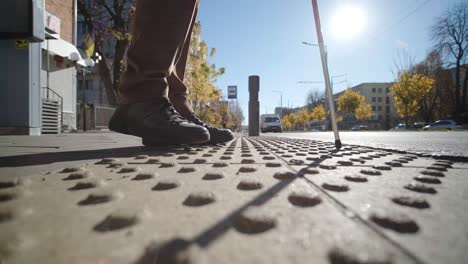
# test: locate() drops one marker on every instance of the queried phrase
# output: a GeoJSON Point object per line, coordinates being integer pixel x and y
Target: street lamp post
{"type": "Point", "coordinates": [281, 102]}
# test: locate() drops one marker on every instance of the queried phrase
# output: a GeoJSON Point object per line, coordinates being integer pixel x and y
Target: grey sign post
{"type": "Point", "coordinates": [254, 106]}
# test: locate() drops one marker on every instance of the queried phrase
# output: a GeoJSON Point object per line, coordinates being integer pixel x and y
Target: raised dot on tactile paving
{"type": "Point", "coordinates": [395, 221]}
{"type": "Point", "coordinates": [437, 168]}
{"type": "Point", "coordinates": [371, 172]}
{"type": "Point", "coordinates": [273, 164]}
{"type": "Point", "coordinates": [247, 161]}
{"type": "Point", "coordinates": [72, 169]}
{"type": "Point", "coordinates": [129, 169]}
{"type": "Point", "coordinates": [152, 161]}
{"type": "Point", "coordinates": [164, 185]}
{"type": "Point", "coordinates": [107, 161]}
{"type": "Point", "coordinates": [327, 167]}
{"type": "Point", "coordinates": [207, 155]}
{"type": "Point", "coordinates": [144, 176]}
{"type": "Point", "coordinates": [117, 220]}
{"type": "Point", "coordinates": [443, 164]}
{"type": "Point", "coordinates": [246, 169]}
{"type": "Point", "coordinates": [419, 187]}
{"type": "Point", "coordinates": [269, 158]}
{"type": "Point", "coordinates": [254, 221]}
{"type": "Point", "coordinates": [304, 199]}
{"type": "Point", "coordinates": [355, 178]}
{"type": "Point", "coordinates": [210, 176]}
{"type": "Point", "coordinates": [139, 157]}
{"type": "Point", "coordinates": [351, 255]}
{"type": "Point", "coordinates": [433, 173]}
{"type": "Point", "coordinates": [414, 202]}
{"type": "Point", "coordinates": [426, 179]}
{"type": "Point", "coordinates": [183, 157]}
{"type": "Point", "coordinates": [199, 199]}
{"type": "Point", "coordinates": [97, 198]}
{"type": "Point", "coordinates": [83, 185]}
{"type": "Point", "coordinates": [220, 164]}
{"type": "Point", "coordinates": [248, 185]}
{"type": "Point", "coordinates": [5, 197]}
{"type": "Point", "coordinates": [335, 187]}
{"type": "Point", "coordinates": [284, 175]}
{"type": "Point", "coordinates": [309, 170]}
{"type": "Point", "coordinates": [199, 161]}
{"type": "Point", "coordinates": [186, 170]}
{"type": "Point", "coordinates": [382, 167]}
{"type": "Point", "coordinates": [394, 163]}
{"type": "Point", "coordinates": [168, 165]}
{"type": "Point", "coordinates": [225, 158]}
{"type": "Point", "coordinates": [345, 163]}
{"type": "Point", "coordinates": [78, 176]}
{"type": "Point", "coordinates": [117, 164]}
{"type": "Point", "coordinates": [5, 215]}
{"type": "Point", "coordinates": [8, 184]}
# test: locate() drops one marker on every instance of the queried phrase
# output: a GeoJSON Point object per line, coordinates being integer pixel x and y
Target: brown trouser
{"type": "Point", "coordinates": [158, 52]}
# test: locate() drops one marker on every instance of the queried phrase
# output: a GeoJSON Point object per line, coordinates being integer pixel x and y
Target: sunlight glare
{"type": "Point", "coordinates": [348, 22]}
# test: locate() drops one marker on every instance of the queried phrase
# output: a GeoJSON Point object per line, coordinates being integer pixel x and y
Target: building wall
{"type": "Point", "coordinates": [378, 95]}
{"type": "Point", "coordinates": [62, 9]}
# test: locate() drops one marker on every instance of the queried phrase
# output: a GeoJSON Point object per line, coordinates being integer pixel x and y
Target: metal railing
{"type": "Point", "coordinates": [50, 94]}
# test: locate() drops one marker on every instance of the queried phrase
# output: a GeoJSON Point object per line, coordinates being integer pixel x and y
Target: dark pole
{"type": "Point", "coordinates": [326, 75]}
{"type": "Point", "coordinates": [254, 106]}
{"type": "Point", "coordinates": [84, 99]}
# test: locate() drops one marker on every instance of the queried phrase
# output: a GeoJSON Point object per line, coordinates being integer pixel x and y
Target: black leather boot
{"type": "Point", "coordinates": [157, 123]}
{"type": "Point", "coordinates": [217, 135]}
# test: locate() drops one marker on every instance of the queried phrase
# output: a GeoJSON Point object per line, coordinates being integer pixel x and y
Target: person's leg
{"type": "Point", "coordinates": [160, 30]}
{"type": "Point", "coordinates": [179, 94]}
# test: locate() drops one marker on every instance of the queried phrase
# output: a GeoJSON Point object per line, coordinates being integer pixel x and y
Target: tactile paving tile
{"type": "Point", "coordinates": [252, 200]}
{"type": "Point", "coordinates": [416, 202]}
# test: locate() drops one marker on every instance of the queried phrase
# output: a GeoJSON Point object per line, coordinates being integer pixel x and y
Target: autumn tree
{"type": "Point", "coordinates": [363, 111]}
{"type": "Point", "coordinates": [350, 101]}
{"type": "Point", "coordinates": [285, 122]}
{"type": "Point", "coordinates": [109, 21]}
{"type": "Point", "coordinates": [303, 117]}
{"type": "Point", "coordinates": [201, 76]}
{"type": "Point", "coordinates": [318, 113]}
{"type": "Point", "coordinates": [408, 91]}
{"type": "Point", "coordinates": [450, 35]}
{"type": "Point", "coordinates": [292, 118]}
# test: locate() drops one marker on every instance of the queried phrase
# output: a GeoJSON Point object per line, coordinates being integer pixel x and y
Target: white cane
{"type": "Point", "coordinates": [323, 56]}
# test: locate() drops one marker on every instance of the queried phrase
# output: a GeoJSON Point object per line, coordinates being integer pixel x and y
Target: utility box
{"type": "Point", "coordinates": [22, 19]}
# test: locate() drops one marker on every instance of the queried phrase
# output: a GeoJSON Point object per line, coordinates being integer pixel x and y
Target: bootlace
{"type": "Point", "coordinates": [167, 109]}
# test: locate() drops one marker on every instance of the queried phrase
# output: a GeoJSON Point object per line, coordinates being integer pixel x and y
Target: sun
{"type": "Point", "coordinates": [348, 22]}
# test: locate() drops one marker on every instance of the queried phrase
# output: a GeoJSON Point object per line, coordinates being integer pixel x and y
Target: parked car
{"type": "Point", "coordinates": [359, 127]}
{"type": "Point", "coordinates": [399, 127]}
{"type": "Point", "coordinates": [447, 124]}
{"type": "Point", "coordinates": [270, 123]}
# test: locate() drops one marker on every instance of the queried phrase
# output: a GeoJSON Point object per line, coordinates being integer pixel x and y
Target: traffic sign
{"type": "Point", "coordinates": [232, 92]}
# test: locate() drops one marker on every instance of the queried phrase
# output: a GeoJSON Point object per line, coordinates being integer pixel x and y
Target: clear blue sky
{"type": "Point", "coordinates": [263, 37]}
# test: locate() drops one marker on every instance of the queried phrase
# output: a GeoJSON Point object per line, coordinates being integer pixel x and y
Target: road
{"type": "Point", "coordinates": [439, 143]}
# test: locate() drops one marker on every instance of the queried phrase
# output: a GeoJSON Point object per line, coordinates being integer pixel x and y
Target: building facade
{"type": "Point", "coordinates": [378, 95]}
{"type": "Point", "coordinates": [38, 80]}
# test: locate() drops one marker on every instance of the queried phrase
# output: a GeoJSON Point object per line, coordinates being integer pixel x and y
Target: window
{"type": "Point", "coordinates": [373, 108]}
{"type": "Point", "coordinates": [380, 90]}
{"type": "Point", "coordinates": [373, 90]}
{"type": "Point", "coordinates": [387, 90]}
{"type": "Point", "coordinates": [387, 100]}
{"type": "Point", "coordinates": [379, 108]}
{"type": "Point", "coordinates": [373, 99]}
{"type": "Point", "coordinates": [380, 99]}
{"type": "Point", "coordinates": [387, 109]}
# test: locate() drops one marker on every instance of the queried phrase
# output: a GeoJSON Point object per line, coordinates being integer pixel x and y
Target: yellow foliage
{"type": "Point", "coordinates": [285, 122]}
{"type": "Point", "coordinates": [303, 116]}
{"type": "Point", "coordinates": [292, 117]}
{"type": "Point", "coordinates": [318, 113]}
{"type": "Point", "coordinates": [408, 91]}
{"type": "Point", "coordinates": [350, 101]}
{"type": "Point", "coordinates": [363, 111]}
{"type": "Point", "coordinates": [339, 119]}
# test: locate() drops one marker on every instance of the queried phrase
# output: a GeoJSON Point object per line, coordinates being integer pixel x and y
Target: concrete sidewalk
{"type": "Point", "coordinates": [104, 198]}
